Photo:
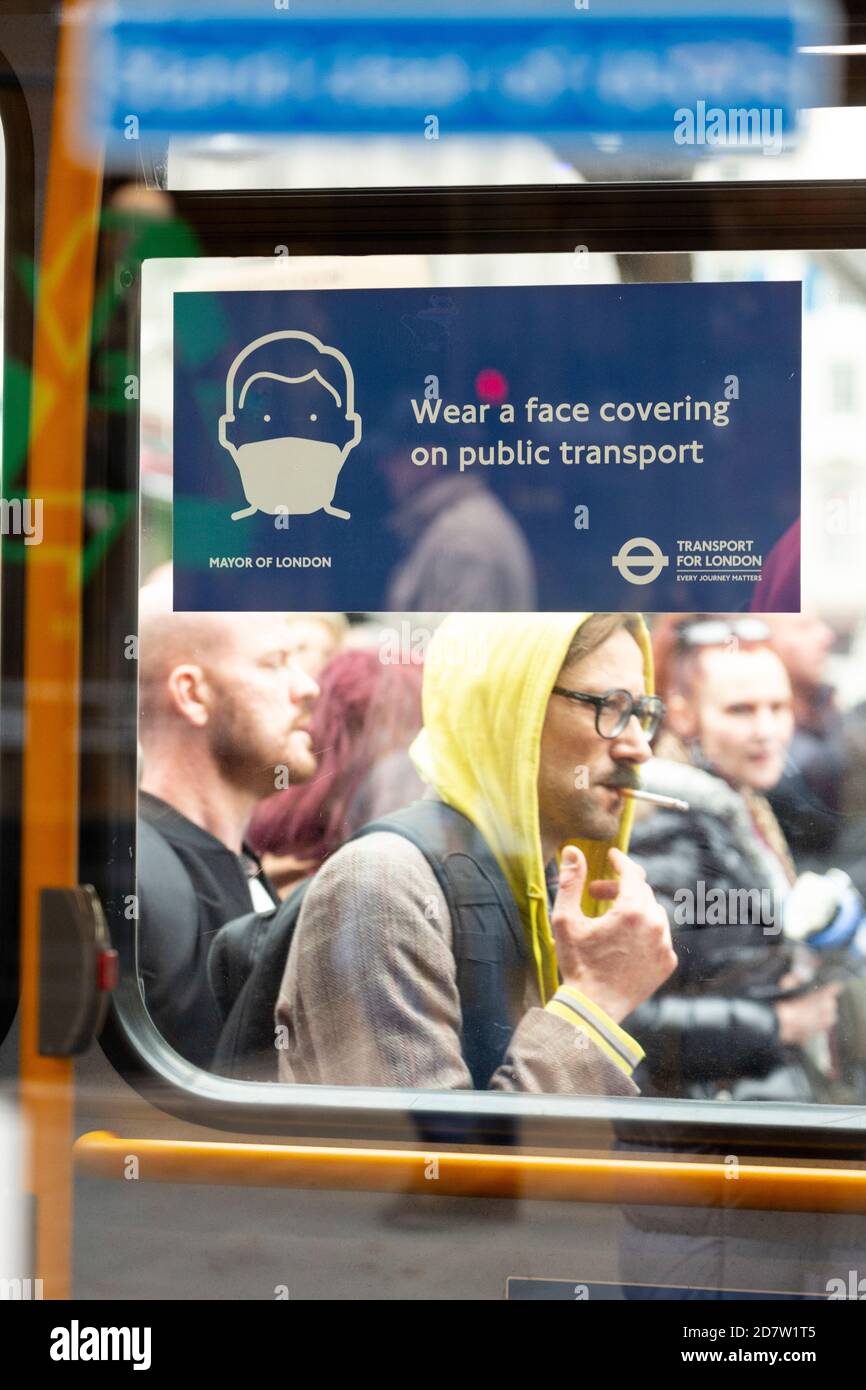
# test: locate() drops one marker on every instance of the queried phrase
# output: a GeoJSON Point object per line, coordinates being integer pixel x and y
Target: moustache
{"type": "Point", "coordinates": [625, 778]}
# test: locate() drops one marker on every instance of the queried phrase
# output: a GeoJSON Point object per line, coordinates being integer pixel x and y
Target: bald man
{"type": "Point", "coordinates": [222, 707]}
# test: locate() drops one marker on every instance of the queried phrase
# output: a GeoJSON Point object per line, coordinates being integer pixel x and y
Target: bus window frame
{"type": "Point", "coordinates": [670, 217]}
{"type": "Point", "coordinates": [17, 336]}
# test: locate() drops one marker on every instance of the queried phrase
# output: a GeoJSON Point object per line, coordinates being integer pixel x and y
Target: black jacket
{"type": "Point", "coordinates": [712, 1029]}
{"type": "Point", "coordinates": [848, 851]}
{"type": "Point", "coordinates": [807, 799]}
{"type": "Point", "coordinates": [189, 885]}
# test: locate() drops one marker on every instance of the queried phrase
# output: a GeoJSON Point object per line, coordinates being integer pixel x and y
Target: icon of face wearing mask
{"type": "Point", "coordinates": [289, 423]}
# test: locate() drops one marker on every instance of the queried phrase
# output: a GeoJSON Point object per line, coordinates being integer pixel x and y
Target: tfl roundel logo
{"type": "Point", "coordinates": [639, 560]}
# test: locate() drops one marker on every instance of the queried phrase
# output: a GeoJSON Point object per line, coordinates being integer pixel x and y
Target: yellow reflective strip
{"type": "Point", "coordinates": [625, 1038]}
{"type": "Point", "coordinates": [564, 1012]}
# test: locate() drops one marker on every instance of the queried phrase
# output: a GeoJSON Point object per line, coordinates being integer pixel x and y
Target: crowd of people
{"type": "Point", "coordinates": [558, 853]}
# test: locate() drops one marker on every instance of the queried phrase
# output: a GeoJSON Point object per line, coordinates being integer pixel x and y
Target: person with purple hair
{"type": "Point", "coordinates": [366, 716]}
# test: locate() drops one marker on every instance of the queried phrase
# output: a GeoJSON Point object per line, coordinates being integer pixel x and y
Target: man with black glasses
{"type": "Point", "coordinates": [494, 934]}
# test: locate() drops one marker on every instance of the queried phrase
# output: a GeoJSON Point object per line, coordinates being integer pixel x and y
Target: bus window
{"type": "Point", "coordinates": [319, 645]}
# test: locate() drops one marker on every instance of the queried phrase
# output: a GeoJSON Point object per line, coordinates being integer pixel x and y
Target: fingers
{"type": "Point", "coordinates": [572, 877]}
{"type": "Point", "coordinates": [631, 875]}
{"type": "Point", "coordinates": [567, 911]}
{"type": "Point", "coordinates": [829, 1000]}
{"type": "Point", "coordinates": [632, 878]}
{"type": "Point", "coordinates": [826, 1007]}
{"type": "Point", "coordinates": [604, 889]}
{"type": "Point", "coordinates": [634, 891]}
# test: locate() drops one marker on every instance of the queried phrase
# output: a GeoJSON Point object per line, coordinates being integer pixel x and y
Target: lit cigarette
{"type": "Point", "coordinates": [671, 802]}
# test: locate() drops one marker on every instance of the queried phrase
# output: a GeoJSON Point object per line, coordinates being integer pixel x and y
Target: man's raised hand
{"type": "Point", "coordinates": [619, 959]}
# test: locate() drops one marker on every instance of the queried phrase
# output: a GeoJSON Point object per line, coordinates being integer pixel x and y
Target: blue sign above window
{"type": "Point", "coordinates": [597, 72]}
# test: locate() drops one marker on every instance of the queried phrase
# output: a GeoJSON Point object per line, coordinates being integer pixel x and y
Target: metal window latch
{"type": "Point", "coordinates": [77, 971]}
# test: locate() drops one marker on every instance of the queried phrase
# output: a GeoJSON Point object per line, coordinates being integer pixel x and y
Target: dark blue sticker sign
{"type": "Point", "coordinates": [487, 449]}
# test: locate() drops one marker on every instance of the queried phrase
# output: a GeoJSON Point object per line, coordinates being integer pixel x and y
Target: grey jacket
{"type": "Point", "coordinates": [466, 553]}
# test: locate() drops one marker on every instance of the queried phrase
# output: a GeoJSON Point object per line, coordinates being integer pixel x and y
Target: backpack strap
{"type": "Point", "coordinates": [488, 940]}
{"type": "Point", "coordinates": [489, 948]}
{"type": "Point", "coordinates": [171, 949]}
{"type": "Point", "coordinates": [246, 967]}
{"type": "Point", "coordinates": [166, 898]}
{"type": "Point", "coordinates": [233, 954]}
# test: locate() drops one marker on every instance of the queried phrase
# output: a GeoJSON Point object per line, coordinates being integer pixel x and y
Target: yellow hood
{"type": "Point", "coordinates": [487, 681]}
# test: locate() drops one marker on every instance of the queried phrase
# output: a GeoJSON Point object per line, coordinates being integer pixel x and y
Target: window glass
{"type": "Point", "coordinates": [269, 739]}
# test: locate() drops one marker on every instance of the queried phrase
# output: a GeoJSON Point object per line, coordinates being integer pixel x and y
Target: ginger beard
{"type": "Point", "coordinates": [248, 743]}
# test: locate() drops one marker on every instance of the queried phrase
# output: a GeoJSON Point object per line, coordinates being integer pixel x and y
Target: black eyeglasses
{"type": "Point", "coordinates": [615, 708]}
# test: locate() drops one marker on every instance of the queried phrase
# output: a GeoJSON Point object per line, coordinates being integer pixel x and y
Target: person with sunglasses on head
{"type": "Point", "coordinates": [743, 1017]}
{"type": "Point", "coordinates": [495, 933]}
{"type": "Point", "coordinates": [750, 1013]}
